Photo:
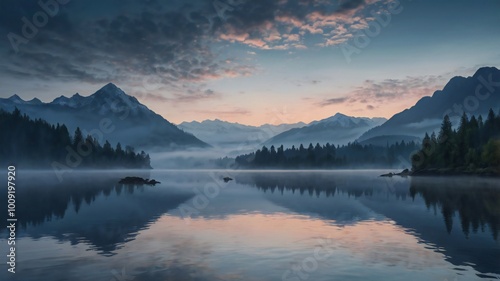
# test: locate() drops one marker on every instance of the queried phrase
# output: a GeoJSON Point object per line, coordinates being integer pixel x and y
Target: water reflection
{"type": "Point", "coordinates": [477, 201]}
{"type": "Point", "coordinates": [351, 183]}
{"type": "Point", "coordinates": [89, 207]}
{"type": "Point", "coordinates": [259, 226]}
{"type": "Point", "coordinates": [471, 203]}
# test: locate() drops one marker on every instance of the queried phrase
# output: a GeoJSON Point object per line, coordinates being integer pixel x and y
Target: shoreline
{"type": "Point", "coordinates": [486, 172]}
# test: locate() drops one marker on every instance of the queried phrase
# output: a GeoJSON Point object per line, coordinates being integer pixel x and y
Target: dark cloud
{"type": "Point", "coordinates": [333, 101]}
{"type": "Point", "coordinates": [349, 5]}
{"type": "Point", "coordinates": [295, 24]}
{"type": "Point", "coordinates": [188, 94]}
{"type": "Point", "coordinates": [171, 45]}
{"type": "Point", "coordinates": [168, 42]}
{"type": "Point", "coordinates": [389, 90]}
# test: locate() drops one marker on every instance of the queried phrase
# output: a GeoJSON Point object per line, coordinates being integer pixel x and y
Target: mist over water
{"type": "Point", "coordinates": [194, 158]}
{"type": "Point", "coordinates": [262, 225]}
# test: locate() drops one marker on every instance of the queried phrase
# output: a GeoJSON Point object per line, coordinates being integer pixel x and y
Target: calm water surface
{"type": "Point", "coordinates": [264, 225]}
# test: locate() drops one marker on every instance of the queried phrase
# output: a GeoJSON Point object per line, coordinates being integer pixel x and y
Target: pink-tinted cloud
{"type": "Point", "coordinates": [390, 90]}
{"type": "Point", "coordinates": [281, 27]}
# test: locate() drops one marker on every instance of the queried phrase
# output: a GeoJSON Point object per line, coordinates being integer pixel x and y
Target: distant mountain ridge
{"type": "Point", "coordinates": [222, 133]}
{"type": "Point", "coordinates": [109, 113]}
{"type": "Point", "coordinates": [474, 95]}
{"type": "Point", "coordinates": [344, 121]}
{"type": "Point", "coordinates": [338, 129]}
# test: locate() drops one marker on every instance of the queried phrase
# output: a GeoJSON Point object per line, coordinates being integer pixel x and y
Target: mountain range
{"type": "Point", "coordinates": [339, 129]}
{"type": "Point", "coordinates": [225, 134]}
{"type": "Point", "coordinates": [113, 115]}
{"type": "Point", "coordinates": [108, 114]}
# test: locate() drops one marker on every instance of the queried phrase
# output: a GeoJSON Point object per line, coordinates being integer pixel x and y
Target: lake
{"type": "Point", "coordinates": [263, 225]}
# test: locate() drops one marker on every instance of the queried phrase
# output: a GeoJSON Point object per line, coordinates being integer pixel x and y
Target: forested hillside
{"type": "Point", "coordinates": [38, 144]}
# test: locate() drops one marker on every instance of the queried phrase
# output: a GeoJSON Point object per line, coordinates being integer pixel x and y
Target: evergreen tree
{"type": "Point", "coordinates": [35, 143]}
{"type": "Point", "coordinates": [446, 142]}
{"type": "Point", "coordinates": [489, 126]}
{"type": "Point", "coordinates": [119, 153]}
{"type": "Point", "coordinates": [462, 141]}
{"type": "Point", "coordinates": [491, 153]}
{"type": "Point", "coordinates": [78, 138]}
{"type": "Point", "coordinates": [472, 148]}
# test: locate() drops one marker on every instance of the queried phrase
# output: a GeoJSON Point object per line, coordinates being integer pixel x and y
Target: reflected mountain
{"type": "Point", "coordinates": [90, 207]}
{"type": "Point", "coordinates": [427, 208]}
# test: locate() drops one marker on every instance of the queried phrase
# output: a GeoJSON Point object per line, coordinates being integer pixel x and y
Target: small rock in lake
{"type": "Point", "coordinates": [404, 173]}
{"type": "Point", "coordinates": [138, 181]}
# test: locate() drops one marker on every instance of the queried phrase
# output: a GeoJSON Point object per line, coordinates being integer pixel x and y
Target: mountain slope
{"type": "Point", "coordinates": [338, 129]}
{"type": "Point", "coordinates": [109, 114]}
{"type": "Point", "coordinates": [460, 94]}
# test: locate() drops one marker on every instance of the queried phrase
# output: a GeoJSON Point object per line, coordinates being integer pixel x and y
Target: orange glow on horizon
{"type": "Point", "coordinates": [284, 114]}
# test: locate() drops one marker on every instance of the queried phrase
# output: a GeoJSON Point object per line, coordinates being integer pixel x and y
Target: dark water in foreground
{"type": "Point", "coordinates": [341, 225]}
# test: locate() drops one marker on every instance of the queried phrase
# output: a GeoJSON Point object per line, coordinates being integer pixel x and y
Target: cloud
{"type": "Point", "coordinates": [291, 24]}
{"type": "Point", "coordinates": [349, 5]}
{"type": "Point", "coordinates": [167, 43]}
{"type": "Point", "coordinates": [333, 101]}
{"type": "Point", "coordinates": [390, 89]}
{"type": "Point", "coordinates": [381, 92]}
{"type": "Point", "coordinates": [235, 111]}
{"type": "Point", "coordinates": [189, 94]}
{"type": "Point", "coordinates": [308, 81]}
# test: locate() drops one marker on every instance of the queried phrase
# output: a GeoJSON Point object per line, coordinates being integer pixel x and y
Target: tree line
{"type": "Point", "coordinates": [352, 155]}
{"type": "Point", "coordinates": [38, 144]}
{"type": "Point", "coordinates": [474, 147]}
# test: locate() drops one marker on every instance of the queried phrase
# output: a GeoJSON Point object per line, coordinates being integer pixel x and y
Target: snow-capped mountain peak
{"type": "Point", "coordinates": [126, 113]}
{"type": "Point", "coordinates": [112, 98]}
{"type": "Point", "coordinates": [344, 121]}
{"type": "Point", "coordinates": [15, 99]}
{"type": "Point", "coordinates": [234, 135]}
{"type": "Point", "coordinates": [337, 129]}
{"type": "Point", "coordinates": [62, 100]}
{"type": "Point", "coordinates": [109, 98]}
{"type": "Point", "coordinates": [110, 90]}
{"type": "Point", "coordinates": [76, 101]}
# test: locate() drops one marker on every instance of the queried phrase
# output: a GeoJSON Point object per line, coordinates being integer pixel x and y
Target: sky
{"type": "Point", "coordinates": [247, 61]}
